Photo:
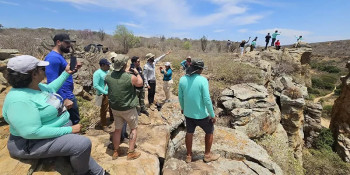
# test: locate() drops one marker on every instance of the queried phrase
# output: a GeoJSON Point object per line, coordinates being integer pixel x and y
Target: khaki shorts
{"type": "Point", "coordinates": [130, 116]}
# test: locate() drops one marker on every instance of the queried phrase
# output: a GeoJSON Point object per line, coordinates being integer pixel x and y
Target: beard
{"type": "Point", "coordinates": [64, 49]}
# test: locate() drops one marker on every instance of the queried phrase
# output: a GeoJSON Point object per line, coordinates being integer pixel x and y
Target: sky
{"type": "Point", "coordinates": [235, 20]}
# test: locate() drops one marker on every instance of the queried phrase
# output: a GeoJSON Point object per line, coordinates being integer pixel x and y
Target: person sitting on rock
{"type": "Point", "coordinates": [167, 81]}
{"type": "Point", "coordinates": [39, 121]}
{"type": "Point", "coordinates": [123, 100]}
{"type": "Point", "coordinates": [186, 63]}
{"type": "Point", "coordinates": [278, 45]}
{"type": "Point", "coordinates": [198, 109]}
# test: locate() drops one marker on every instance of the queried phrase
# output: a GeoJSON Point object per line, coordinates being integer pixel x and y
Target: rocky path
{"type": "Point", "coordinates": [316, 100]}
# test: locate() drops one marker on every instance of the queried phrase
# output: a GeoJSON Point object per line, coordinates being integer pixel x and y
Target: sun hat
{"type": "Point", "coordinates": [149, 56]}
{"type": "Point", "coordinates": [119, 61]}
{"type": "Point", "coordinates": [25, 63]}
{"type": "Point", "coordinates": [189, 57]}
{"type": "Point", "coordinates": [167, 64]}
{"type": "Point", "coordinates": [104, 61]}
{"type": "Point", "coordinates": [62, 37]}
{"type": "Point", "coordinates": [196, 65]}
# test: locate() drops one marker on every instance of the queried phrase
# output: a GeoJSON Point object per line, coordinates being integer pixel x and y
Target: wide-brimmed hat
{"type": "Point", "coordinates": [112, 55]}
{"type": "Point", "coordinates": [25, 63]}
{"type": "Point", "coordinates": [196, 65]}
{"type": "Point", "coordinates": [119, 61]}
{"type": "Point", "coordinates": [149, 56]}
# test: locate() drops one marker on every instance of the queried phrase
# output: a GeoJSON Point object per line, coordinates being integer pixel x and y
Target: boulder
{"type": "Point", "coordinates": [239, 155]}
{"type": "Point", "coordinates": [8, 53]}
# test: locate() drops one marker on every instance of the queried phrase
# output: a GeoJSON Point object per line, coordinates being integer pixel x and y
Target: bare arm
{"type": "Point", "coordinates": [136, 80]}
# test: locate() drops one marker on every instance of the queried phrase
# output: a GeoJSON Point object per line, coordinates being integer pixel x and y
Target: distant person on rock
{"type": "Point", "coordinates": [123, 100]}
{"type": "Point", "coordinates": [242, 44]}
{"type": "Point", "coordinates": [102, 90]}
{"type": "Point", "coordinates": [278, 45]}
{"type": "Point", "coordinates": [135, 64]}
{"type": "Point", "coordinates": [228, 45]}
{"type": "Point", "coordinates": [167, 80]}
{"type": "Point", "coordinates": [274, 36]}
{"type": "Point", "coordinates": [198, 109]}
{"type": "Point", "coordinates": [150, 77]}
{"type": "Point", "coordinates": [56, 67]}
{"type": "Point", "coordinates": [39, 121]}
{"type": "Point", "coordinates": [299, 40]}
{"type": "Point", "coordinates": [253, 44]}
{"type": "Point", "coordinates": [186, 63]}
{"type": "Point", "coordinates": [267, 40]}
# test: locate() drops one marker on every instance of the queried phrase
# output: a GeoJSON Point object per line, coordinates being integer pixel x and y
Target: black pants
{"type": "Point", "coordinates": [273, 41]}
{"type": "Point", "coordinates": [267, 43]}
{"type": "Point", "coordinates": [151, 91]}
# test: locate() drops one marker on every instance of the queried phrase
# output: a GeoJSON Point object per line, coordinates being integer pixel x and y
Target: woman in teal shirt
{"type": "Point", "coordinates": [39, 122]}
{"type": "Point", "coordinates": [167, 81]}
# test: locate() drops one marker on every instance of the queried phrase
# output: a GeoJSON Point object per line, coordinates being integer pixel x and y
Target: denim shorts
{"type": "Point", "coordinates": [205, 124]}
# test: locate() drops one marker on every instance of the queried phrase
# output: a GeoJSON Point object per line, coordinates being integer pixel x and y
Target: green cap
{"type": "Point", "coordinates": [119, 61]}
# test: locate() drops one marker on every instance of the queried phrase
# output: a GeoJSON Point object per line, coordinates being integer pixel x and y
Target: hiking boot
{"type": "Point", "coordinates": [211, 157]}
{"type": "Point", "coordinates": [145, 112]}
{"type": "Point", "coordinates": [133, 155]}
{"type": "Point", "coordinates": [188, 159]}
{"type": "Point", "coordinates": [115, 155]}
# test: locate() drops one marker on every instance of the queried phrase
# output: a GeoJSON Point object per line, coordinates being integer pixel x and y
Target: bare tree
{"type": "Point", "coordinates": [101, 34]}
{"type": "Point", "coordinates": [204, 42]}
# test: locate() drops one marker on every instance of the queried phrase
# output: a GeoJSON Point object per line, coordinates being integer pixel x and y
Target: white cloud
{"type": "Point", "coordinates": [242, 30]}
{"type": "Point", "coordinates": [176, 14]}
{"type": "Point", "coordinates": [9, 3]}
{"type": "Point", "coordinates": [244, 20]}
{"type": "Point", "coordinates": [218, 30]}
{"type": "Point", "coordinates": [130, 24]}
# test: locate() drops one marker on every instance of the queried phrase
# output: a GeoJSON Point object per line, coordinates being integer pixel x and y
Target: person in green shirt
{"type": "Point", "coordinates": [123, 101]}
{"type": "Point", "coordinates": [274, 36]}
{"type": "Point", "coordinates": [102, 89]}
{"type": "Point", "coordinates": [39, 121]}
{"type": "Point", "coordinates": [197, 107]}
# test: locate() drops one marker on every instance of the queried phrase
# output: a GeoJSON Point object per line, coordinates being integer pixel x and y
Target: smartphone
{"type": "Point", "coordinates": [73, 62]}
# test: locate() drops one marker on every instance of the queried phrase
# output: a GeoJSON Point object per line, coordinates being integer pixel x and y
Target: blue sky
{"type": "Point", "coordinates": [316, 20]}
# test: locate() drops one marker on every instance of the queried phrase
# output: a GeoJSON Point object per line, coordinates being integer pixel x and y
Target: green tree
{"type": "Point", "coordinates": [187, 45]}
{"type": "Point", "coordinates": [126, 38]}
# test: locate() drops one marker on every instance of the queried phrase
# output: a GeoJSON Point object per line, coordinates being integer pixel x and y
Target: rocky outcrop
{"type": "Point", "coordinates": [292, 109]}
{"type": "Point", "coordinates": [8, 53]}
{"type": "Point", "coordinates": [239, 155]}
{"type": "Point", "coordinates": [312, 124]}
{"type": "Point", "coordinates": [253, 111]}
{"type": "Point", "coordinates": [340, 118]}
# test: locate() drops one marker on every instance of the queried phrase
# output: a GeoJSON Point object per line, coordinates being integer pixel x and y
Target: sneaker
{"type": "Point", "coordinates": [133, 155]}
{"type": "Point", "coordinates": [188, 159]}
{"type": "Point", "coordinates": [153, 107]}
{"type": "Point", "coordinates": [145, 112]}
{"type": "Point", "coordinates": [211, 157]}
{"type": "Point", "coordinates": [115, 155]}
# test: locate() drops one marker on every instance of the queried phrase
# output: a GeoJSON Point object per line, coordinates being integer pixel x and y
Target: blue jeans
{"type": "Point", "coordinates": [74, 112]}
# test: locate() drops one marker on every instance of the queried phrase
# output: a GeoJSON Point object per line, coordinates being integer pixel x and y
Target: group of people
{"type": "Point", "coordinates": [44, 118]}
{"type": "Point", "coordinates": [268, 37]}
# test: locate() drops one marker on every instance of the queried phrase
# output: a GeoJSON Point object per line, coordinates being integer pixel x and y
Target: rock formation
{"type": "Point", "coordinates": [340, 121]}
{"type": "Point", "coordinates": [312, 124]}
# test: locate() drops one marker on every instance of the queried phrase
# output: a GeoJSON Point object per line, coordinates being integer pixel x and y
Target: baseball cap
{"type": "Point", "coordinates": [25, 63]}
{"type": "Point", "coordinates": [104, 61]}
{"type": "Point", "coordinates": [119, 61]}
{"type": "Point", "coordinates": [196, 65]}
{"type": "Point", "coordinates": [62, 37]}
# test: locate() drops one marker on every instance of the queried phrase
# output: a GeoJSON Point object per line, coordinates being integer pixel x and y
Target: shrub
{"type": "Point", "coordinates": [293, 93]}
{"type": "Point", "coordinates": [324, 81]}
{"type": "Point", "coordinates": [338, 89]}
{"type": "Point", "coordinates": [101, 34]}
{"type": "Point", "coordinates": [313, 91]}
{"type": "Point", "coordinates": [318, 162]}
{"type": "Point", "coordinates": [327, 110]}
{"type": "Point", "coordinates": [325, 140]}
{"type": "Point", "coordinates": [330, 69]}
{"type": "Point", "coordinates": [187, 45]}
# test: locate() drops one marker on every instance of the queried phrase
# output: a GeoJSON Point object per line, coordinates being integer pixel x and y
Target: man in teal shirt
{"type": "Point", "coordinates": [197, 107]}
{"type": "Point", "coordinates": [274, 36]}
{"type": "Point", "coordinates": [102, 89]}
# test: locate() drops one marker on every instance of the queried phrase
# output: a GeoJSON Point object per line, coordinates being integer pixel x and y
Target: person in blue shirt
{"type": "Point", "coordinates": [167, 81]}
{"type": "Point", "coordinates": [186, 63]}
{"type": "Point", "coordinates": [198, 109]}
{"type": "Point", "coordinates": [57, 65]}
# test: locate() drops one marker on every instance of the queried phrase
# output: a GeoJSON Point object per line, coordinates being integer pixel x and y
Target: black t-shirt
{"type": "Point", "coordinates": [267, 38]}
{"type": "Point", "coordinates": [242, 44]}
